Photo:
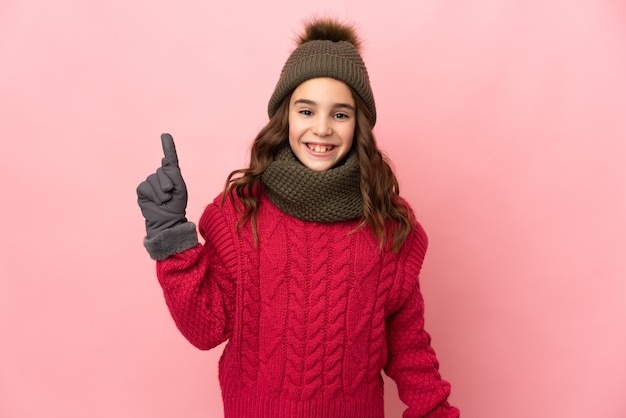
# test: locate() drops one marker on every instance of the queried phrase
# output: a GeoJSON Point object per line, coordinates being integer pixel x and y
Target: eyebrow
{"type": "Point", "coordinates": [335, 106]}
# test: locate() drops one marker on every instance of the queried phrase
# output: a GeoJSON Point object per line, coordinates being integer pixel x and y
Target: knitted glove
{"type": "Point", "coordinates": [162, 198]}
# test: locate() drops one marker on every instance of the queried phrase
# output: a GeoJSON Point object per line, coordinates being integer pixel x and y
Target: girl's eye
{"type": "Point", "coordinates": [341, 116]}
{"type": "Point", "coordinates": [306, 112]}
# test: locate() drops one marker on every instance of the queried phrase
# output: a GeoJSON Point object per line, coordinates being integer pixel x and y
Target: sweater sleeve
{"type": "Point", "coordinates": [411, 361]}
{"type": "Point", "coordinates": [199, 283]}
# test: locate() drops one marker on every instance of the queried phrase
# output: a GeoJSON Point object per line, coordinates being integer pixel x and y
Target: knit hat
{"type": "Point", "coordinates": [327, 48]}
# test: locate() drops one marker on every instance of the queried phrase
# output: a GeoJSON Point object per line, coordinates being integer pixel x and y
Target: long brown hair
{"type": "Point", "coordinates": [384, 212]}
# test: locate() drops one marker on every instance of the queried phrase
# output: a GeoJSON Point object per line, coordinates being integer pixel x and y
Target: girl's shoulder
{"type": "Point", "coordinates": [220, 212]}
{"type": "Point", "coordinates": [224, 203]}
{"type": "Point", "coordinates": [417, 238]}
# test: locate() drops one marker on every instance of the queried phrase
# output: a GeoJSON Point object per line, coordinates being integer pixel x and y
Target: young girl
{"type": "Point", "coordinates": [310, 262]}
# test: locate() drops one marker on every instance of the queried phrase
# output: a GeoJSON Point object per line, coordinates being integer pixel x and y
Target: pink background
{"type": "Point", "coordinates": [506, 122]}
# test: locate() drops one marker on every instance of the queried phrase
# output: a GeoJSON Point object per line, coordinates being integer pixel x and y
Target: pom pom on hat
{"type": "Point", "coordinates": [326, 48]}
{"type": "Point", "coordinates": [328, 29]}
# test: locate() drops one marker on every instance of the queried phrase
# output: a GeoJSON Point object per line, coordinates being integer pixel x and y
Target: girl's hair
{"type": "Point", "coordinates": [384, 211]}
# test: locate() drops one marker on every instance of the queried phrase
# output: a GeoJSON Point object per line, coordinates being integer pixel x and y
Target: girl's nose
{"type": "Point", "coordinates": [322, 127]}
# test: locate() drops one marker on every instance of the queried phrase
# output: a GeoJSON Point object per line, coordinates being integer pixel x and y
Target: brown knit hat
{"type": "Point", "coordinates": [327, 48]}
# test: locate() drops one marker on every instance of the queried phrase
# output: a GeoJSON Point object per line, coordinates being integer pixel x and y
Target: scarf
{"type": "Point", "coordinates": [321, 196]}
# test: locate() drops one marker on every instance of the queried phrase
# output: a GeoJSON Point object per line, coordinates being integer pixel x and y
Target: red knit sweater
{"type": "Point", "coordinates": [312, 315]}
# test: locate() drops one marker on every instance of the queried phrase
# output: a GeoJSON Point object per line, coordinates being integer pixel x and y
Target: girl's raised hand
{"type": "Point", "coordinates": [162, 197]}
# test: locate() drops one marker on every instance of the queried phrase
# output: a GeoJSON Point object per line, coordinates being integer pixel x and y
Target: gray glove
{"type": "Point", "coordinates": [162, 197]}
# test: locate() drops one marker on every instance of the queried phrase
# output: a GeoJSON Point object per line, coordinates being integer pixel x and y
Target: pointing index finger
{"type": "Point", "coordinates": [169, 149]}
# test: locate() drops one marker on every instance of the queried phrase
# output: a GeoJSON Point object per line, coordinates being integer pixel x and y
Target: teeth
{"type": "Point", "coordinates": [320, 148]}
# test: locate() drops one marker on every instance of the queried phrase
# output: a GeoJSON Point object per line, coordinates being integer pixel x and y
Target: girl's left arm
{"type": "Point", "coordinates": [411, 360]}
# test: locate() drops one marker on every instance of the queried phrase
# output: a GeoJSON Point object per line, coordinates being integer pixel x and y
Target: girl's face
{"type": "Point", "coordinates": [322, 118]}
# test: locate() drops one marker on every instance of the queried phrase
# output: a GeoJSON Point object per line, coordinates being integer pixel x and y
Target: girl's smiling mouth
{"type": "Point", "coordinates": [320, 148]}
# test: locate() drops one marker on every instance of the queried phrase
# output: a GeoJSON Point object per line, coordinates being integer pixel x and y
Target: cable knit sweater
{"type": "Point", "coordinates": [312, 315]}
